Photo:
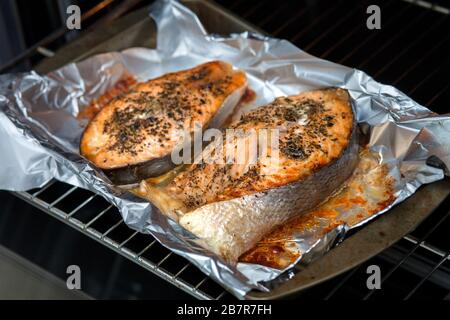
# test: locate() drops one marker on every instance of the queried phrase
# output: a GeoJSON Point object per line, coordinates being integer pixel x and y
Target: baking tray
{"type": "Point", "coordinates": [138, 30]}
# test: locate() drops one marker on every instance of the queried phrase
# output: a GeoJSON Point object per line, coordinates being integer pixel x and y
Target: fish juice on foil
{"type": "Point", "coordinates": [42, 119]}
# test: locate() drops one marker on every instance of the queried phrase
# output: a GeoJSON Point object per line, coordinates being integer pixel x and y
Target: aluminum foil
{"type": "Point", "coordinates": [40, 132]}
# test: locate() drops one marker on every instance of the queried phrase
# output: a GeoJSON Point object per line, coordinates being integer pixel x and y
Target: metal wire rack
{"type": "Point", "coordinates": [336, 32]}
{"type": "Point", "coordinates": [41, 48]}
{"type": "Point", "coordinates": [93, 216]}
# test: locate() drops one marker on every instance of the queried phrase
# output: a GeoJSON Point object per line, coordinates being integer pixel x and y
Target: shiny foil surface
{"type": "Point", "coordinates": [40, 134]}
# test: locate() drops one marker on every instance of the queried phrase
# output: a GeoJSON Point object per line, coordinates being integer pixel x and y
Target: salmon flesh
{"type": "Point", "coordinates": [231, 206]}
{"type": "Point", "coordinates": [132, 137]}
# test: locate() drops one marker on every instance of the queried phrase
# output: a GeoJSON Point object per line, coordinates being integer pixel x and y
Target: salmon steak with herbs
{"type": "Point", "coordinates": [133, 135]}
{"type": "Point", "coordinates": [231, 206]}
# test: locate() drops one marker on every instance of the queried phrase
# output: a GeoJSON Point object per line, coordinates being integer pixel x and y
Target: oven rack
{"type": "Point", "coordinates": [83, 210]}
{"type": "Point", "coordinates": [52, 196]}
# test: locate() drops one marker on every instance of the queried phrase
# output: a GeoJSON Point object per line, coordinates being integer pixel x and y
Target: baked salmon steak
{"type": "Point", "coordinates": [133, 135]}
{"type": "Point", "coordinates": [230, 205]}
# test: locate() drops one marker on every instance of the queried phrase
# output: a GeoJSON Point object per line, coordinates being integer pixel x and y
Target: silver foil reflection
{"type": "Point", "coordinates": [40, 133]}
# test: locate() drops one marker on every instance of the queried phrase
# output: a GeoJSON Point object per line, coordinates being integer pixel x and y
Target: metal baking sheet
{"type": "Point", "coordinates": [137, 34]}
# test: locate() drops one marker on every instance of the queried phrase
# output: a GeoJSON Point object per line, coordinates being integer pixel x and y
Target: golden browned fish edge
{"type": "Point", "coordinates": [230, 210]}
{"type": "Point", "coordinates": [132, 137]}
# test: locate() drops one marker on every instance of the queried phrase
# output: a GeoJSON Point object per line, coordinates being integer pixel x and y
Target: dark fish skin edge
{"type": "Point", "coordinates": [135, 173]}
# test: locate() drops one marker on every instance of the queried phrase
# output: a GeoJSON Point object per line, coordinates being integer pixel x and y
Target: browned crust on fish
{"type": "Point", "coordinates": [121, 86]}
{"type": "Point", "coordinates": [147, 122]}
{"type": "Point", "coordinates": [304, 148]}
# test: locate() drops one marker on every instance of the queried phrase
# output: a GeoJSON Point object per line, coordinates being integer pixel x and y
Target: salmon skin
{"type": "Point", "coordinates": [132, 137]}
{"type": "Point", "coordinates": [230, 207]}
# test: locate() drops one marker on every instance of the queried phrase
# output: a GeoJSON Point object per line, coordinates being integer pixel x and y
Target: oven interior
{"type": "Point", "coordinates": [411, 51]}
